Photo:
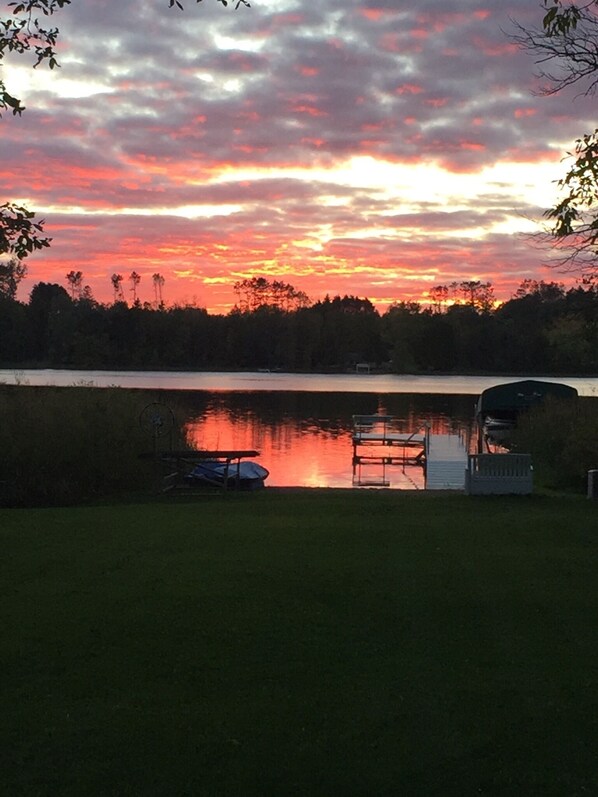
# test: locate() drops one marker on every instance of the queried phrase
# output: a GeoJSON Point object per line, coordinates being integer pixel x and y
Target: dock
{"type": "Point", "coordinates": [446, 462]}
{"type": "Point", "coordinates": [380, 440]}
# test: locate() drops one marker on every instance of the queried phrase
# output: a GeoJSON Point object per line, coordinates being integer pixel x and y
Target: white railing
{"type": "Point", "coordinates": [499, 474]}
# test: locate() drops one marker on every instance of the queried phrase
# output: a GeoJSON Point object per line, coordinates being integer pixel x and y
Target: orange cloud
{"type": "Point", "coordinates": [308, 71]}
{"type": "Point", "coordinates": [521, 113]}
{"type": "Point", "coordinates": [409, 88]}
{"type": "Point", "coordinates": [373, 14]}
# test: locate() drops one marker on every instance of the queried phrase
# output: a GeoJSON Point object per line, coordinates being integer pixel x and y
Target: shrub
{"type": "Point", "coordinates": [68, 445]}
{"type": "Point", "coordinates": [562, 437]}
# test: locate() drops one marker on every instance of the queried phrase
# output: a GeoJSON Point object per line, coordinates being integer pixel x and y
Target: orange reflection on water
{"type": "Point", "coordinates": [302, 453]}
{"type": "Point", "coordinates": [305, 438]}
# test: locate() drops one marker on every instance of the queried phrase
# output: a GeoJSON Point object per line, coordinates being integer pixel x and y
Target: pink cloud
{"type": "Point", "coordinates": [178, 103]}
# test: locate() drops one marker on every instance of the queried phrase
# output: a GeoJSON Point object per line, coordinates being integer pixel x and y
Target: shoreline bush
{"type": "Point", "coordinates": [562, 437]}
{"type": "Point", "coordinates": [69, 445]}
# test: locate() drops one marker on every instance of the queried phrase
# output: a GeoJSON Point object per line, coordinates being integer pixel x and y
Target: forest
{"type": "Point", "coordinates": [542, 329]}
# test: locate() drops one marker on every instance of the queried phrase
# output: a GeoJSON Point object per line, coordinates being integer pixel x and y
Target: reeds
{"type": "Point", "coordinates": [69, 445]}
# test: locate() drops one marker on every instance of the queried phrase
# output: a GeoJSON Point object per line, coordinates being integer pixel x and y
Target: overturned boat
{"type": "Point", "coordinates": [244, 475]}
{"type": "Point", "coordinates": [498, 407]}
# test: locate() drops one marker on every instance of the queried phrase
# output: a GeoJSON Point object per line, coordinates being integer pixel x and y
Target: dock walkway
{"type": "Point", "coordinates": [446, 462]}
{"type": "Point", "coordinates": [381, 440]}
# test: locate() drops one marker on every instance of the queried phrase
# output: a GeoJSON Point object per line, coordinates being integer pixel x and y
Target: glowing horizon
{"type": "Point", "coordinates": [346, 150]}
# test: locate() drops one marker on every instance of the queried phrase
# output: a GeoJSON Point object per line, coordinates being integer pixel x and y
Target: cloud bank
{"type": "Point", "coordinates": [375, 147]}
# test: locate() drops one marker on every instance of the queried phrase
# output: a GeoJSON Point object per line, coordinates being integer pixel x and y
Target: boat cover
{"type": "Point", "coordinates": [513, 397]}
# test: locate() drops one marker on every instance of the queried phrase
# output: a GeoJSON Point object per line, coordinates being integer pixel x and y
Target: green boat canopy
{"type": "Point", "coordinates": [514, 397]}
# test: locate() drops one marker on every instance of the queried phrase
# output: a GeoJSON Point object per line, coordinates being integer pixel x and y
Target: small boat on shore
{"type": "Point", "coordinates": [245, 475]}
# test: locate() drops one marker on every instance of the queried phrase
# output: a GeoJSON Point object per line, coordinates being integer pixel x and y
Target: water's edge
{"type": "Point", "coordinates": [264, 381]}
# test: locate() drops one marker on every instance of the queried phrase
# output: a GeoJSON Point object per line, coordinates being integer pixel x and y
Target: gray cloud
{"type": "Point", "coordinates": [179, 96]}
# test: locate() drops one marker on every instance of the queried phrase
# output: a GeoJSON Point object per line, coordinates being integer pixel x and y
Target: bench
{"type": "Point", "coordinates": [499, 474]}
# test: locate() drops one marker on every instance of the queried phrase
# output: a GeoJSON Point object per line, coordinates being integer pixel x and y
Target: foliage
{"type": "Point", "coordinates": [259, 292]}
{"type": "Point", "coordinates": [23, 33]}
{"type": "Point", "coordinates": [75, 283]}
{"type": "Point", "coordinates": [11, 273]}
{"type": "Point", "coordinates": [158, 281]}
{"type": "Point", "coordinates": [575, 220]}
{"type": "Point", "coordinates": [563, 19]}
{"type": "Point", "coordinates": [562, 437]}
{"type": "Point", "coordinates": [566, 48]}
{"type": "Point", "coordinates": [474, 293]}
{"type": "Point", "coordinates": [20, 235]}
{"type": "Point", "coordinates": [134, 279]}
{"type": "Point", "coordinates": [116, 280]}
{"type": "Point", "coordinates": [69, 445]}
{"type": "Point", "coordinates": [178, 4]}
{"type": "Point", "coordinates": [542, 329]}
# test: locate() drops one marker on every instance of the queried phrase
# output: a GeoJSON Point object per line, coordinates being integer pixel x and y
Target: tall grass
{"type": "Point", "coordinates": [67, 445]}
{"type": "Point", "coordinates": [562, 437]}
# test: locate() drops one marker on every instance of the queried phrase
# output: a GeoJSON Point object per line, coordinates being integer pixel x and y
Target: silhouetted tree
{"type": "Point", "coordinates": [135, 279]}
{"type": "Point", "coordinates": [544, 291]}
{"type": "Point", "coordinates": [50, 311]}
{"type": "Point", "coordinates": [479, 295]}
{"type": "Point", "coordinates": [11, 273]}
{"type": "Point", "coordinates": [75, 281]}
{"type": "Point", "coordinates": [259, 292]}
{"type": "Point", "coordinates": [439, 295]}
{"type": "Point", "coordinates": [158, 281]}
{"type": "Point", "coordinates": [117, 289]}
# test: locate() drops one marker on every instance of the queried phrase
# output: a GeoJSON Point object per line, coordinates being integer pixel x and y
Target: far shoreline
{"type": "Point", "coordinates": [279, 371]}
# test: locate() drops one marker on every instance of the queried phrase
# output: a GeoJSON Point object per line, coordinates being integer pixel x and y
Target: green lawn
{"type": "Point", "coordinates": [314, 643]}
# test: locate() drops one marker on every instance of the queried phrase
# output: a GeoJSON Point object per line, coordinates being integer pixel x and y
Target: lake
{"type": "Point", "coordinates": [335, 383]}
{"type": "Point", "coordinates": [300, 424]}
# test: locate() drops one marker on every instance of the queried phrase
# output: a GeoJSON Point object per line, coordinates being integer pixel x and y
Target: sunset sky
{"type": "Point", "coordinates": [370, 147]}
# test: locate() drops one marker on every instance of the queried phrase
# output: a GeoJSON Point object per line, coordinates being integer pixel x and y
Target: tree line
{"type": "Point", "coordinates": [543, 329]}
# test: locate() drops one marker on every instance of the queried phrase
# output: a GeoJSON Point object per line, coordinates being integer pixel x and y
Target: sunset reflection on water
{"type": "Point", "coordinates": [304, 439]}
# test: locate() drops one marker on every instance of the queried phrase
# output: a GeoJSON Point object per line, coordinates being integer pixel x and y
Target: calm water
{"type": "Point", "coordinates": [304, 438]}
{"type": "Point", "coordinates": [336, 383]}
{"type": "Point", "coordinates": [300, 424]}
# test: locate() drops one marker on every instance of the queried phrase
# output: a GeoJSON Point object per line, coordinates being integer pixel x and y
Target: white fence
{"type": "Point", "coordinates": [499, 474]}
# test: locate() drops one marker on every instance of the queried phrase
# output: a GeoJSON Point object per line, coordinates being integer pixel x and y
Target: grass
{"type": "Point", "coordinates": [312, 643]}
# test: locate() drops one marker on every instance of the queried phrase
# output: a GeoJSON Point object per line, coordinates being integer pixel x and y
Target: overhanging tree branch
{"type": "Point", "coordinates": [23, 33]}
{"type": "Point", "coordinates": [20, 234]}
{"type": "Point", "coordinates": [566, 49]}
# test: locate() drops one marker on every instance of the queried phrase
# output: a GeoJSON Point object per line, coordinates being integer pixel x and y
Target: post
{"type": "Point", "coordinates": [593, 484]}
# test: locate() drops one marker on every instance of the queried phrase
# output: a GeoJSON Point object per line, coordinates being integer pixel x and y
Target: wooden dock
{"type": "Point", "coordinates": [380, 440]}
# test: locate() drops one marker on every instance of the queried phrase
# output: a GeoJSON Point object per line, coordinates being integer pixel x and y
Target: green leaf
{"type": "Point", "coordinates": [549, 17]}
